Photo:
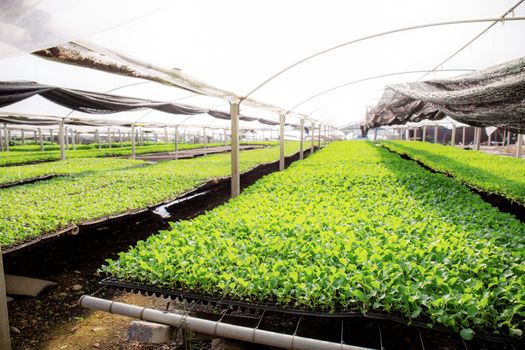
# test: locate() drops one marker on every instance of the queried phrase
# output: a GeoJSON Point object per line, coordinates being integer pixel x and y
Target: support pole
{"type": "Point", "coordinates": [453, 138]}
{"type": "Point", "coordinates": [407, 134]}
{"type": "Point", "coordinates": [489, 141]}
{"type": "Point", "coordinates": [375, 134]}
{"type": "Point", "coordinates": [176, 142]}
{"type": "Point", "coordinates": [204, 139]}
{"type": "Point", "coordinates": [40, 140]}
{"type": "Point", "coordinates": [166, 135]}
{"type": "Point", "coordinates": [519, 146]}
{"type": "Point", "coordinates": [51, 136]}
{"type": "Point", "coordinates": [312, 131]}
{"type": "Point", "coordinates": [23, 138]}
{"type": "Point", "coordinates": [436, 133]}
{"type": "Point", "coordinates": [478, 138]}
{"type": "Point", "coordinates": [463, 140]}
{"type": "Point", "coordinates": [5, 338]}
{"type": "Point", "coordinates": [281, 141]}
{"type": "Point", "coordinates": [66, 137]}
{"type": "Point", "coordinates": [61, 140]}
{"type": "Point", "coordinates": [73, 141]}
{"type": "Point", "coordinates": [97, 138]}
{"type": "Point", "coordinates": [109, 137]}
{"type": "Point", "coordinates": [415, 134]}
{"type": "Point", "coordinates": [133, 138]}
{"type": "Point", "coordinates": [508, 141]}
{"type": "Point", "coordinates": [120, 138]}
{"type": "Point", "coordinates": [1, 141]}
{"type": "Point", "coordinates": [424, 137]}
{"type": "Point", "coordinates": [301, 144]}
{"type": "Point", "coordinates": [235, 164]}
{"type": "Point", "coordinates": [6, 137]}
{"type": "Point", "coordinates": [225, 139]}
{"type": "Point", "coordinates": [35, 137]}
{"type": "Point", "coordinates": [319, 137]}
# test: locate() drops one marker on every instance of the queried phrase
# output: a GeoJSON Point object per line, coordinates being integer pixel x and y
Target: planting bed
{"type": "Point", "coordinates": [489, 173]}
{"type": "Point", "coordinates": [353, 228]}
{"type": "Point", "coordinates": [56, 320]}
{"type": "Point", "coordinates": [30, 211]}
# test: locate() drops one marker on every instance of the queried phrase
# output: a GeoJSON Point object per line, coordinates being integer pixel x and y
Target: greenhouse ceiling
{"type": "Point", "coordinates": [235, 46]}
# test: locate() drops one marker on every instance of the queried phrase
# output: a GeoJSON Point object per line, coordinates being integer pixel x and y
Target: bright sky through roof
{"type": "Point", "coordinates": [237, 44]}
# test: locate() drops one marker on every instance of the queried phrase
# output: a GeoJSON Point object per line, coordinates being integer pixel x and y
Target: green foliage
{"type": "Point", "coordinates": [490, 173]}
{"type": "Point", "coordinates": [28, 211]}
{"type": "Point", "coordinates": [66, 167]}
{"type": "Point", "coordinates": [20, 157]}
{"type": "Point", "coordinates": [352, 227]}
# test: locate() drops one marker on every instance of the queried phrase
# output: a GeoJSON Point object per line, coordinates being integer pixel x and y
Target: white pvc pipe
{"type": "Point", "coordinates": [519, 146]}
{"type": "Point", "coordinates": [312, 131]}
{"type": "Point", "coordinates": [214, 328]}
{"type": "Point", "coordinates": [61, 140]}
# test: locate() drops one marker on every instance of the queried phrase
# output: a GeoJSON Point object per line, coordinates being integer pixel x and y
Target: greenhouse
{"type": "Point", "coordinates": [262, 175]}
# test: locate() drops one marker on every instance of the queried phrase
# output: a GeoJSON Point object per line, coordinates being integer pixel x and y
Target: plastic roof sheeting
{"type": "Point", "coordinates": [235, 45]}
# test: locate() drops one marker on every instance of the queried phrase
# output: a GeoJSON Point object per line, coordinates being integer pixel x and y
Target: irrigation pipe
{"type": "Point", "coordinates": [214, 328]}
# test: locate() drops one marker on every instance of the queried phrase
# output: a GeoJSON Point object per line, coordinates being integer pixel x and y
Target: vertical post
{"type": "Point", "coordinates": [166, 135]}
{"type": "Point", "coordinates": [424, 137]}
{"type": "Point", "coordinates": [120, 138]}
{"type": "Point", "coordinates": [508, 141]}
{"type": "Point", "coordinates": [463, 140]}
{"type": "Point", "coordinates": [235, 164]}
{"type": "Point", "coordinates": [519, 146]}
{"type": "Point", "coordinates": [415, 133]}
{"type": "Point", "coordinates": [133, 137]}
{"type": "Point", "coordinates": [5, 338]}
{"type": "Point", "coordinates": [375, 134]}
{"type": "Point", "coordinates": [204, 139]}
{"type": "Point", "coordinates": [319, 137]}
{"type": "Point", "coordinates": [453, 138]}
{"type": "Point", "coordinates": [489, 141]}
{"type": "Point", "coordinates": [407, 134]}
{"type": "Point", "coordinates": [35, 137]}
{"type": "Point", "coordinates": [73, 141]}
{"type": "Point", "coordinates": [109, 137]}
{"type": "Point", "coordinates": [301, 144]}
{"type": "Point", "coordinates": [97, 138]}
{"type": "Point", "coordinates": [312, 132]}
{"type": "Point", "coordinates": [281, 141]}
{"type": "Point", "coordinates": [225, 138]}
{"type": "Point", "coordinates": [40, 139]}
{"type": "Point", "coordinates": [1, 141]}
{"type": "Point", "coordinates": [51, 137]}
{"type": "Point", "coordinates": [436, 133]}
{"type": "Point", "coordinates": [61, 139]}
{"type": "Point", "coordinates": [6, 137]}
{"type": "Point", "coordinates": [478, 138]}
{"type": "Point", "coordinates": [23, 138]}
{"type": "Point", "coordinates": [176, 142]}
{"type": "Point", "coordinates": [66, 137]}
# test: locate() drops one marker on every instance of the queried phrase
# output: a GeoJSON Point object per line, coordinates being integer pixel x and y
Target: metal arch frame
{"type": "Point", "coordinates": [372, 78]}
{"type": "Point", "coordinates": [376, 35]}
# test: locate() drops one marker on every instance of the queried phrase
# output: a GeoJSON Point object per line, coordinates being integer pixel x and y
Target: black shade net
{"type": "Point", "coordinates": [489, 97]}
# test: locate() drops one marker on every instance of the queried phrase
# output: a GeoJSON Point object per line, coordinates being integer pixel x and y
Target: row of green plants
{"type": "Point", "coordinates": [28, 211]}
{"type": "Point", "coordinates": [490, 173]}
{"type": "Point", "coordinates": [23, 157]}
{"type": "Point", "coordinates": [351, 228]}
{"type": "Point", "coordinates": [13, 174]}
{"type": "Point", "coordinates": [51, 146]}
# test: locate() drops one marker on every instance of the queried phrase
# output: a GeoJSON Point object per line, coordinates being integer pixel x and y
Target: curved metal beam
{"type": "Point", "coordinates": [372, 78]}
{"type": "Point", "coordinates": [368, 37]}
